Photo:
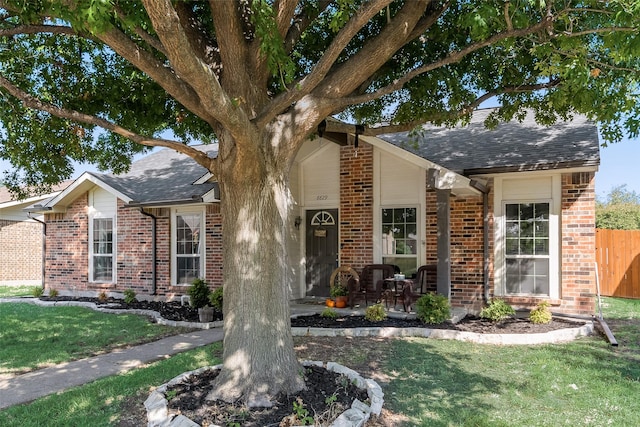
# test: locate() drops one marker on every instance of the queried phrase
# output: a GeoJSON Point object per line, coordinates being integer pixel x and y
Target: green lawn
{"type": "Point", "coordinates": [16, 291]}
{"type": "Point", "coordinates": [99, 403]}
{"type": "Point", "coordinates": [34, 336]}
{"type": "Point", "coordinates": [429, 382]}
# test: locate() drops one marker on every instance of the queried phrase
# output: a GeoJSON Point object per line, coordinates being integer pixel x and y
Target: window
{"type": "Point", "coordinates": [527, 248]}
{"type": "Point", "coordinates": [188, 245]}
{"type": "Point", "coordinates": [400, 238]}
{"type": "Point", "coordinates": [102, 250]}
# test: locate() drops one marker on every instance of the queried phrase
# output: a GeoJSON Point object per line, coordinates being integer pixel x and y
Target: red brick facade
{"type": "Point", "coordinates": [356, 206]}
{"type": "Point", "coordinates": [21, 249]}
{"type": "Point", "coordinates": [67, 241]}
{"type": "Point", "coordinates": [68, 252]}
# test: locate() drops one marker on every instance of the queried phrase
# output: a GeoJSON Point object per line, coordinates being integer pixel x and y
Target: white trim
{"type": "Point", "coordinates": [555, 233]}
{"type": "Point", "coordinates": [175, 211]}
{"type": "Point", "coordinates": [84, 183]}
{"type": "Point", "coordinates": [95, 214]}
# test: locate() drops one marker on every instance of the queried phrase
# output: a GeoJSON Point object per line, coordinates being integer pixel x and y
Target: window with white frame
{"type": "Point", "coordinates": [102, 250]}
{"type": "Point", "coordinates": [188, 246]}
{"type": "Point", "coordinates": [527, 248]}
{"type": "Point", "coordinates": [400, 238]}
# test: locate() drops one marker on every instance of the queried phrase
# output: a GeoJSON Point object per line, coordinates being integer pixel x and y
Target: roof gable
{"type": "Point", "coordinates": [512, 146]}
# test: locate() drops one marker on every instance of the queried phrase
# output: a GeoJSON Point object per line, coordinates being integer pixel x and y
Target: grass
{"type": "Point", "coordinates": [101, 403]}
{"type": "Point", "coordinates": [16, 291]}
{"type": "Point", "coordinates": [34, 336]}
{"type": "Point", "coordinates": [429, 382]}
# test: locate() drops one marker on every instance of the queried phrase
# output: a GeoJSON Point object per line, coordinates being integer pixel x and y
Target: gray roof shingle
{"type": "Point", "coordinates": [164, 175]}
{"type": "Point", "coordinates": [511, 147]}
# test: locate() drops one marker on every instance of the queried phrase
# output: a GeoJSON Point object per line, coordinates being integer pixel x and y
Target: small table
{"type": "Point", "coordinates": [397, 288]}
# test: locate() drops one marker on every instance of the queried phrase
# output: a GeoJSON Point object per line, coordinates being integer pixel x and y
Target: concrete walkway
{"type": "Point", "coordinates": [36, 384]}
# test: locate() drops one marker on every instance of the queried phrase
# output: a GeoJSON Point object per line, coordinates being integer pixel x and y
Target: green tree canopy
{"type": "Point", "coordinates": [100, 80]}
{"type": "Point", "coordinates": [620, 210]}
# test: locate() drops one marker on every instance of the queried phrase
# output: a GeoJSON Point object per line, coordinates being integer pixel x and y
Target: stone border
{"type": "Point", "coordinates": [104, 309]}
{"type": "Point", "coordinates": [552, 337]}
{"type": "Point", "coordinates": [356, 416]}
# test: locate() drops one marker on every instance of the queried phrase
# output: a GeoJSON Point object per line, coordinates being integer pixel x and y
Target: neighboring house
{"type": "Point", "coordinates": [22, 239]}
{"type": "Point", "coordinates": [508, 212]}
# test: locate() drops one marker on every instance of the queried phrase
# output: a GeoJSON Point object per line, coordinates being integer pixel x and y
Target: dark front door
{"type": "Point", "coordinates": [322, 250]}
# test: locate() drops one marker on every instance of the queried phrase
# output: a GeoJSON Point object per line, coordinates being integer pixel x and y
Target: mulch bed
{"type": "Point", "coordinates": [317, 399]}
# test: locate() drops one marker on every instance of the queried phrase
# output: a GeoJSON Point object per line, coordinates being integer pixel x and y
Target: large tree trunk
{"type": "Point", "coordinates": [258, 359]}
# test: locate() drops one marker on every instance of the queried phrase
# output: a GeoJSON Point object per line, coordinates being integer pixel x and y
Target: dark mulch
{"type": "Point", "coordinates": [317, 399]}
{"type": "Point", "coordinates": [469, 323]}
{"type": "Point", "coordinates": [169, 310]}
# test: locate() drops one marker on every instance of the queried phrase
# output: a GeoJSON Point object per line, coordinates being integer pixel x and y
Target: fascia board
{"type": "Point", "coordinates": [447, 180]}
{"type": "Point", "coordinates": [84, 183]}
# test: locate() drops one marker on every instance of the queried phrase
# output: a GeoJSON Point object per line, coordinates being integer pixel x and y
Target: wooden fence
{"type": "Point", "coordinates": [618, 259]}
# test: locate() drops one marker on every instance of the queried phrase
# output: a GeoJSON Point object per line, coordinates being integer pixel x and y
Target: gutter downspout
{"type": "Point", "coordinates": [485, 237]}
{"type": "Point", "coordinates": [485, 243]}
{"type": "Point", "coordinates": [153, 250]}
{"type": "Point", "coordinates": [44, 245]}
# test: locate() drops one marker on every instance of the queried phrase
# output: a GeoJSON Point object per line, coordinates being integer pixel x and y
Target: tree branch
{"type": "Point", "coordinates": [300, 23]}
{"type": "Point", "coordinates": [37, 29]}
{"type": "Point", "coordinates": [285, 11]}
{"type": "Point", "coordinates": [322, 67]}
{"type": "Point", "coordinates": [211, 98]}
{"type": "Point", "coordinates": [349, 75]}
{"type": "Point", "coordinates": [36, 104]}
{"type": "Point", "coordinates": [151, 41]}
{"type": "Point", "coordinates": [452, 58]}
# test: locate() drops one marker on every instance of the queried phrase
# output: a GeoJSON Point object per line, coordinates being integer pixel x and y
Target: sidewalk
{"type": "Point", "coordinates": [36, 384]}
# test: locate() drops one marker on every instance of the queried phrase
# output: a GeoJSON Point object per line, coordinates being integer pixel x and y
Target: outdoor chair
{"type": "Point", "coordinates": [372, 281]}
{"type": "Point", "coordinates": [425, 280]}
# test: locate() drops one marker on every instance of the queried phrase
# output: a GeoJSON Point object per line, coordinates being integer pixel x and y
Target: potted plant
{"type": "Point", "coordinates": [340, 292]}
{"type": "Point", "coordinates": [199, 298]}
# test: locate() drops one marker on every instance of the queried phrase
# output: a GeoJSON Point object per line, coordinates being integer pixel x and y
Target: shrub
{"type": "Point", "coordinates": [53, 293]}
{"type": "Point", "coordinates": [375, 313]}
{"type": "Point", "coordinates": [497, 310]}
{"type": "Point", "coordinates": [329, 313]}
{"type": "Point", "coordinates": [433, 309]}
{"type": "Point", "coordinates": [37, 292]}
{"type": "Point", "coordinates": [215, 298]}
{"type": "Point", "coordinates": [541, 314]}
{"type": "Point", "coordinates": [129, 296]}
{"type": "Point", "coordinates": [199, 293]}
{"type": "Point", "coordinates": [102, 296]}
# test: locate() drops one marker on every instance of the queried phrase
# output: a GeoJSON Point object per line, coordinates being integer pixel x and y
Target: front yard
{"type": "Point", "coordinates": [425, 381]}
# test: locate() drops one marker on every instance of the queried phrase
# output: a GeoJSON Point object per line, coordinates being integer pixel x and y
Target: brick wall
{"type": "Point", "coordinates": [356, 206]}
{"type": "Point", "coordinates": [578, 243]}
{"type": "Point", "coordinates": [467, 247]}
{"type": "Point", "coordinates": [68, 256]}
{"type": "Point", "coordinates": [20, 251]}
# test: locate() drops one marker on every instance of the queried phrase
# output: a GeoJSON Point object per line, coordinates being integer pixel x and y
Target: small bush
{"type": "Point", "coordinates": [215, 298]}
{"type": "Point", "coordinates": [497, 310]}
{"type": "Point", "coordinates": [199, 293]}
{"type": "Point", "coordinates": [375, 313]}
{"type": "Point", "coordinates": [129, 296]}
{"type": "Point", "coordinates": [37, 292]}
{"type": "Point", "coordinates": [102, 296]}
{"type": "Point", "coordinates": [53, 293]}
{"type": "Point", "coordinates": [541, 314]}
{"type": "Point", "coordinates": [433, 309]}
{"type": "Point", "coordinates": [329, 313]}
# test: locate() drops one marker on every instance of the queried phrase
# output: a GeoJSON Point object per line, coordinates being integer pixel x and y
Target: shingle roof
{"type": "Point", "coordinates": [164, 175]}
{"type": "Point", "coordinates": [512, 146]}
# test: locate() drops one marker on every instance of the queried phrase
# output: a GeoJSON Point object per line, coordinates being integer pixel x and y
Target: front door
{"type": "Point", "coordinates": [322, 250]}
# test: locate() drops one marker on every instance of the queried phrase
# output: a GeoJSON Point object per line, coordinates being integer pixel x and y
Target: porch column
{"type": "Point", "coordinates": [443, 281]}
